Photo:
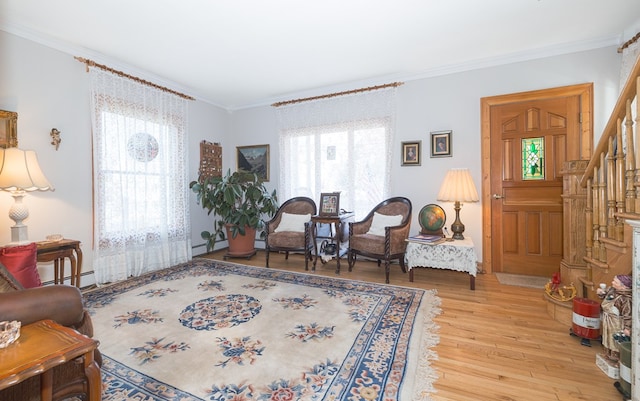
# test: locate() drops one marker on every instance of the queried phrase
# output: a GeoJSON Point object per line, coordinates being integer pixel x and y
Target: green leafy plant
{"type": "Point", "coordinates": [238, 200]}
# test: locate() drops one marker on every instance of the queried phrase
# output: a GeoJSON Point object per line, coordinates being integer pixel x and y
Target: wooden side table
{"type": "Point", "coordinates": [459, 255]}
{"type": "Point", "coordinates": [41, 347]}
{"type": "Point", "coordinates": [339, 222]}
{"type": "Point", "coordinates": [57, 251]}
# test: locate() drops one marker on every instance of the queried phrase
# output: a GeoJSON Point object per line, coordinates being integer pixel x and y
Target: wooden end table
{"type": "Point", "coordinates": [56, 252]}
{"type": "Point", "coordinates": [339, 223]}
{"type": "Point", "coordinates": [41, 347]}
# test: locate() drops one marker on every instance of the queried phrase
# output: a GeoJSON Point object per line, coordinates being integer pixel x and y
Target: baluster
{"type": "Point", "coordinates": [596, 213]}
{"type": "Point", "coordinates": [630, 198]}
{"type": "Point", "coordinates": [611, 189]}
{"type": "Point", "coordinates": [636, 182]}
{"type": "Point", "coordinates": [620, 184]}
{"type": "Point", "coordinates": [589, 226]}
{"type": "Point", "coordinates": [602, 209]}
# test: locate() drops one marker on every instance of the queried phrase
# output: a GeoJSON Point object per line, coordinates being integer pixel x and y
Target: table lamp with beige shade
{"type": "Point", "coordinates": [20, 172]}
{"type": "Point", "coordinates": [458, 187]}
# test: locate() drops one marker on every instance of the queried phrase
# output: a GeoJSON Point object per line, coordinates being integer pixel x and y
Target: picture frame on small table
{"type": "Point", "coordinates": [329, 204]}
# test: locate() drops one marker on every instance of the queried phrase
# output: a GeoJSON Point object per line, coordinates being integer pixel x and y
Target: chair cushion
{"type": "Point", "coordinates": [380, 221]}
{"type": "Point", "coordinates": [287, 239]}
{"type": "Point", "coordinates": [21, 261]}
{"type": "Point", "coordinates": [7, 281]}
{"type": "Point", "coordinates": [292, 222]}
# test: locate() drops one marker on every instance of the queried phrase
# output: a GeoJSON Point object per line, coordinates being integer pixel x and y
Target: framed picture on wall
{"type": "Point", "coordinates": [254, 159]}
{"type": "Point", "coordinates": [411, 153]}
{"type": "Point", "coordinates": [441, 144]}
{"type": "Point", "coordinates": [8, 129]}
{"type": "Point", "coordinates": [329, 203]}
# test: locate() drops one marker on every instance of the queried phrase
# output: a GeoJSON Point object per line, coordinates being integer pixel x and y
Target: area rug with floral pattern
{"type": "Point", "coordinates": [209, 330]}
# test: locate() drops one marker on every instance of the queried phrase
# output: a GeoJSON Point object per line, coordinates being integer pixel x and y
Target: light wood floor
{"type": "Point", "coordinates": [496, 343]}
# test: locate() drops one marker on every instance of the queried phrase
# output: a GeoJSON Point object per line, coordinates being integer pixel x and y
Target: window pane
{"type": "Point", "coordinates": [533, 159]}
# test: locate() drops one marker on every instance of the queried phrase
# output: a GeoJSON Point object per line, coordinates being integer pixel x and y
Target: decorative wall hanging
{"type": "Point", "coordinates": [441, 144]}
{"type": "Point", "coordinates": [210, 160]}
{"type": "Point", "coordinates": [411, 153]}
{"type": "Point", "coordinates": [55, 138]}
{"type": "Point", "coordinates": [254, 159]}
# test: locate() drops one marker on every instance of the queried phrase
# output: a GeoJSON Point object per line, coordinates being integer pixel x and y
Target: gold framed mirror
{"type": "Point", "coordinates": [8, 129]}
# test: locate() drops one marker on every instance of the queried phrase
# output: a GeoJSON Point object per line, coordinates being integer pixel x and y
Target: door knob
{"type": "Point", "coordinates": [496, 196]}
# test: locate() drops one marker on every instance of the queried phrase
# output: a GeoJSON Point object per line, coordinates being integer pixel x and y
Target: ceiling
{"type": "Point", "coordinates": [243, 53]}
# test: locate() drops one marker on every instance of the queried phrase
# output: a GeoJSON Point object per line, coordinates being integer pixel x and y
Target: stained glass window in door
{"type": "Point", "coordinates": [533, 159]}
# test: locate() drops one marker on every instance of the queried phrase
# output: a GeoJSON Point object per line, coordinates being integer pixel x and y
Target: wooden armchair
{"type": "Point", "coordinates": [382, 234]}
{"type": "Point", "coordinates": [290, 229]}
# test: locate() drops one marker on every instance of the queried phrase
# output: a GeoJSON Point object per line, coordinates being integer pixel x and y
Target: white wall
{"type": "Point", "coordinates": [48, 89]}
{"type": "Point", "coordinates": [452, 102]}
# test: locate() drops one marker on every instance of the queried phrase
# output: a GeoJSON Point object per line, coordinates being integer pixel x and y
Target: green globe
{"type": "Point", "coordinates": [432, 218]}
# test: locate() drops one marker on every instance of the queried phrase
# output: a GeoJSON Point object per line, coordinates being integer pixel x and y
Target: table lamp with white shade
{"type": "Point", "coordinates": [20, 173]}
{"type": "Point", "coordinates": [458, 187]}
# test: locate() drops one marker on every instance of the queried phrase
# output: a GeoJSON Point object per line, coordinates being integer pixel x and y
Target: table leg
{"type": "Point", "coordinates": [94, 381]}
{"type": "Point", "coordinates": [56, 271]}
{"type": "Point", "coordinates": [79, 269]}
{"type": "Point", "coordinates": [338, 238]}
{"type": "Point", "coordinates": [74, 270]}
{"type": "Point", "coordinates": [46, 385]}
{"type": "Point", "coordinates": [410, 275]}
{"type": "Point", "coordinates": [314, 235]}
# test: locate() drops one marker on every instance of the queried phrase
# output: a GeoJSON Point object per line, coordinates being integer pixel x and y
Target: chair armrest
{"type": "Point", "coordinates": [397, 236]}
{"type": "Point", "coordinates": [61, 303]}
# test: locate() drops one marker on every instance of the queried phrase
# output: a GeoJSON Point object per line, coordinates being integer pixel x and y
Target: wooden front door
{"type": "Point", "coordinates": [529, 136]}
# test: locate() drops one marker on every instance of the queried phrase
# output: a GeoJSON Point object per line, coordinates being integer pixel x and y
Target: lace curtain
{"type": "Point", "coordinates": [141, 214]}
{"type": "Point", "coordinates": [338, 144]}
{"type": "Point", "coordinates": [629, 57]}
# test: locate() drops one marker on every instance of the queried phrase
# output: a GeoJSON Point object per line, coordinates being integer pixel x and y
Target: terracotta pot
{"type": "Point", "coordinates": [242, 245]}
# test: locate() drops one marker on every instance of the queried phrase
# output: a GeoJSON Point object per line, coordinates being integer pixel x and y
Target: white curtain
{"type": "Point", "coordinates": [141, 214]}
{"type": "Point", "coordinates": [339, 144]}
{"type": "Point", "coordinates": [629, 56]}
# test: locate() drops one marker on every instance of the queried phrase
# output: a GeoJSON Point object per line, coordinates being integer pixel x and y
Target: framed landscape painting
{"type": "Point", "coordinates": [253, 159]}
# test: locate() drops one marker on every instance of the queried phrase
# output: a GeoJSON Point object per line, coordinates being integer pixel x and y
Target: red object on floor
{"type": "Point", "coordinates": [586, 318]}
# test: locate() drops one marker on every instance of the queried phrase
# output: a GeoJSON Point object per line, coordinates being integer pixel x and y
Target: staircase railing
{"type": "Point", "coordinates": [612, 180]}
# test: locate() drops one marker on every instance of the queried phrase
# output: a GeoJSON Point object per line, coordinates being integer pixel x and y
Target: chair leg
{"type": "Point", "coordinates": [402, 265]}
{"type": "Point", "coordinates": [266, 251]}
{"type": "Point", "coordinates": [386, 270]}
{"type": "Point", "coordinates": [351, 259]}
{"type": "Point", "coordinates": [286, 255]}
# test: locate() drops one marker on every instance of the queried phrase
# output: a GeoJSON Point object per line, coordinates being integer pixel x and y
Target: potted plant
{"type": "Point", "coordinates": [239, 200]}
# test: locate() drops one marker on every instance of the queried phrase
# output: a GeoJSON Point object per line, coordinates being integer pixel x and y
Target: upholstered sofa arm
{"type": "Point", "coordinates": [61, 303]}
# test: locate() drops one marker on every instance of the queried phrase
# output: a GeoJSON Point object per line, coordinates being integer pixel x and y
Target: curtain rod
{"type": "Point", "coordinates": [330, 95]}
{"type": "Point", "coordinates": [91, 63]}
{"type": "Point", "coordinates": [629, 42]}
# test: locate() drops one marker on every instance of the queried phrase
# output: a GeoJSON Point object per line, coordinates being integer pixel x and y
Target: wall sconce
{"type": "Point", "coordinates": [55, 137]}
{"type": "Point", "coordinates": [458, 187]}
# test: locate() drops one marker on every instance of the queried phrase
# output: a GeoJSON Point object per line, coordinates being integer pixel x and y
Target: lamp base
{"type": "Point", "coordinates": [19, 234]}
{"type": "Point", "coordinates": [18, 212]}
{"type": "Point", "coordinates": [457, 227]}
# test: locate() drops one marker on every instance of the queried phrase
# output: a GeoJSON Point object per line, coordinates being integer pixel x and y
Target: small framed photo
{"type": "Point", "coordinates": [441, 144]}
{"type": "Point", "coordinates": [329, 203]}
{"type": "Point", "coordinates": [411, 153]}
{"type": "Point", "coordinates": [253, 159]}
{"type": "Point", "coordinates": [8, 129]}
